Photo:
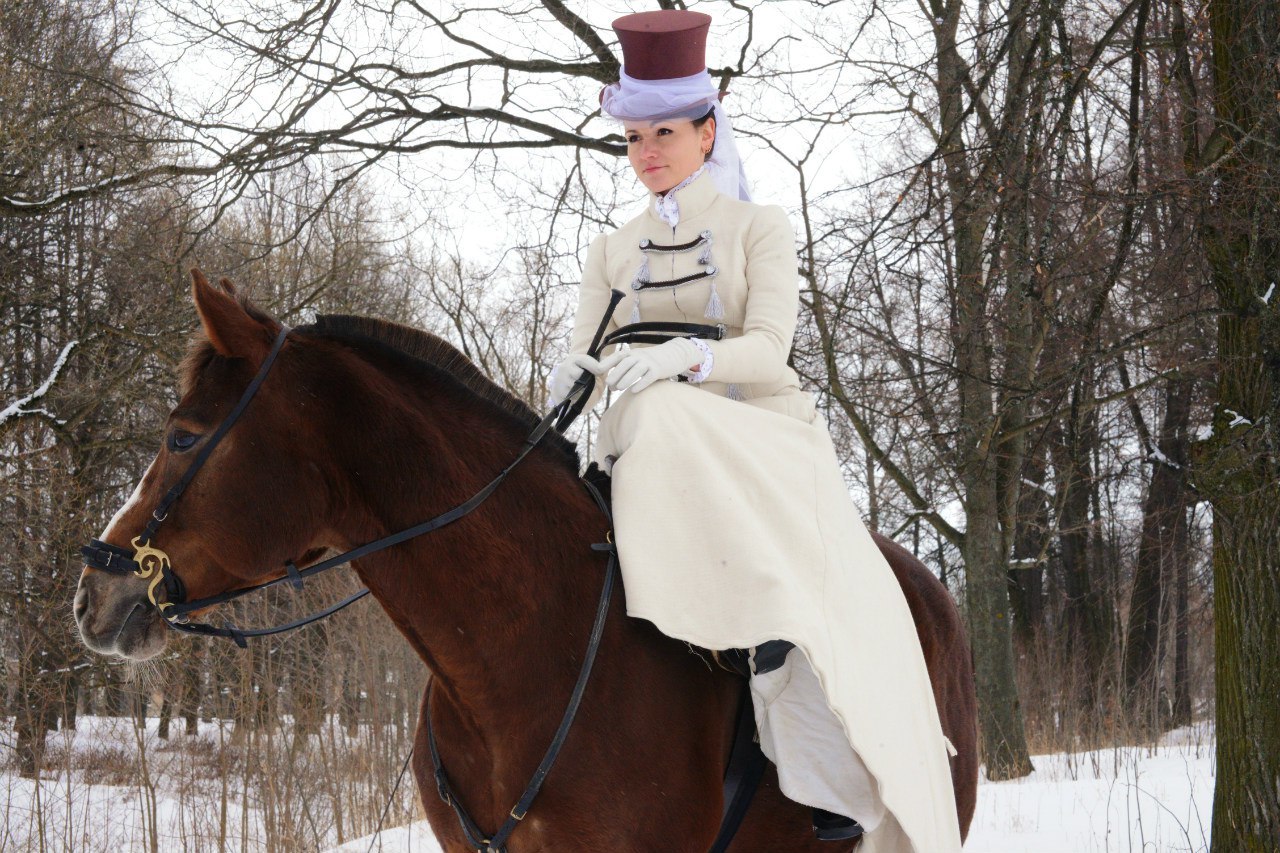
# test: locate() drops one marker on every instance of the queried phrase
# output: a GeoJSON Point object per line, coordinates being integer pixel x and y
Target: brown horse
{"type": "Point", "coordinates": [362, 428]}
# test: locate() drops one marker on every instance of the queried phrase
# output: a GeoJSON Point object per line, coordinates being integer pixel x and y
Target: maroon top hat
{"type": "Point", "coordinates": [663, 44]}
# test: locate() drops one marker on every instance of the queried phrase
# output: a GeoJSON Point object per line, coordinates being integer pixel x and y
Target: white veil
{"type": "Point", "coordinates": [682, 97]}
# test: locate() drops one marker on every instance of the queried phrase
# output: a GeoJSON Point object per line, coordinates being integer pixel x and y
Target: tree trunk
{"type": "Point", "coordinates": [1238, 466]}
{"type": "Point", "coordinates": [1163, 552]}
{"type": "Point", "coordinates": [349, 707]}
{"type": "Point", "coordinates": [138, 706]}
{"type": "Point", "coordinates": [1246, 802]}
{"type": "Point", "coordinates": [1026, 570]}
{"type": "Point", "coordinates": [190, 687]}
{"type": "Point", "coordinates": [32, 723]}
{"type": "Point", "coordinates": [1087, 615]}
{"type": "Point", "coordinates": [70, 700]}
{"type": "Point", "coordinates": [166, 715]}
{"type": "Point", "coordinates": [1181, 645]}
{"type": "Point", "coordinates": [985, 551]}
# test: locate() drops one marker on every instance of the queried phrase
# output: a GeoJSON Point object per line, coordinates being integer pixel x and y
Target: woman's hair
{"type": "Point", "coordinates": [699, 122]}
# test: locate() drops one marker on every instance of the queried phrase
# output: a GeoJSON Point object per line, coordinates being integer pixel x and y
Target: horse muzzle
{"type": "Point", "coordinates": [115, 618]}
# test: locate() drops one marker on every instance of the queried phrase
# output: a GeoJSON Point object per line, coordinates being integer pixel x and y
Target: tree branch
{"type": "Point", "coordinates": [19, 407]}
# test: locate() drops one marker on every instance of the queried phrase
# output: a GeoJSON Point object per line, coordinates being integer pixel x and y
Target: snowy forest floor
{"type": "Point", "coordinates": [102, 797]}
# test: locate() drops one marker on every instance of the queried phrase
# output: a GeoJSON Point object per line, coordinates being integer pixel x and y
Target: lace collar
{"type": "Point", "coordinates": [667, 205]}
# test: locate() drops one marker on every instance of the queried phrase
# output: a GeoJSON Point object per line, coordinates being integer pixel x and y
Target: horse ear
{"type": "Point", "coordinates": [233, 332]}
{"type": "Point", "coordinates": [225, 284]}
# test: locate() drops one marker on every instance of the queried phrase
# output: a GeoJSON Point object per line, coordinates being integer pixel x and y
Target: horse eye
{"type": "Point", "coordinates": [180, 440]}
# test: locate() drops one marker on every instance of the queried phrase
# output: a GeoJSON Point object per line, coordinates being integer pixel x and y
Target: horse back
{"type": "Point", "coordinates": [950, 664]}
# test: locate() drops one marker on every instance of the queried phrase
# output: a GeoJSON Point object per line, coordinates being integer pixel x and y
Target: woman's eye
{"type": "Point", "coordinates": [663, 130]}
{"type": "Point", "coordinates": [632, 139]}
{"type": "Point", "coordinates": [180, 440]}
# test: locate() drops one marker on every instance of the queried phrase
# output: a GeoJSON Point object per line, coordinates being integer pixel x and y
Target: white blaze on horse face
{"type": "Point", "coordinates": [128, 505]}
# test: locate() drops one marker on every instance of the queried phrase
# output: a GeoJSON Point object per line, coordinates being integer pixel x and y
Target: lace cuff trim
{"type": "Point", "coordinates": [551, 386]}
{"type": "Point", "coordinates": [708, 361]}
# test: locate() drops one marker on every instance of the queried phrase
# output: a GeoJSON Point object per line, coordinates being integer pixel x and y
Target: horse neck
{"type": "Point", "coordinates": [501, 599]}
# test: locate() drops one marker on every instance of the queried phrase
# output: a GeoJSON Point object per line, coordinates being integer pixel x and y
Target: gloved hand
{"type": "Point", "coordinates": [564, 374]}
{"type": "Point", "coordinates": [637, 369]}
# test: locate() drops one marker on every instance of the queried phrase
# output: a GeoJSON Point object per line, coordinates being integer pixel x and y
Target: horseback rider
{"type": "Point", "coordinates": [734, 527]}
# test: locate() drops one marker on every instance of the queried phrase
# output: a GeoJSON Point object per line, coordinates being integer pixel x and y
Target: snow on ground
{"type": "Point", "coordinates": [1106, 801]}
{"type": "Point", "coordinates": [1118, 800]}
{"type": "Point", "coordinates": [101, 793]}
{"type": "Point", "coordinates": [415, 838]}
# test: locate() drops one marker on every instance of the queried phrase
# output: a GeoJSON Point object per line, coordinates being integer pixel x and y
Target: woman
{"type": "Point", "coordinates": [733, 524]}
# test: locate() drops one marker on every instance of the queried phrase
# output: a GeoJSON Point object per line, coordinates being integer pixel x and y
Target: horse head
{"type": "Point", "coordinates": [253, 507]}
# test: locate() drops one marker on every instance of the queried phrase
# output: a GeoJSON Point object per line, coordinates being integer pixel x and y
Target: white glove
{"type": "Point", "coordinates": [564, 374]}
{"type": "Point", "coordinates": [637, 369]}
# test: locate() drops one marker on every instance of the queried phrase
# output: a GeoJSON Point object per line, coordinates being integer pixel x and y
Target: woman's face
{"type": "Point", "coordinates": [664, 153]}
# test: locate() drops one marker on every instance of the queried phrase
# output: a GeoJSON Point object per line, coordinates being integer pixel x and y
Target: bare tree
{"type": "Point", "coordinates": [1237, 468]}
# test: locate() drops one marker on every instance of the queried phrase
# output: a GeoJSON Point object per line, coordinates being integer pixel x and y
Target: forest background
{"type": "Point", "coordinates": [1039, 243]}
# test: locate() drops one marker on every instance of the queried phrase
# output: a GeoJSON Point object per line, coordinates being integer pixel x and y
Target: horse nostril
{"type": "Point", "coordinates": [81, 602]}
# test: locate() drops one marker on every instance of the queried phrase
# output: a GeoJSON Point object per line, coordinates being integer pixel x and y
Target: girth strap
{"type": "Point", "coordinates": [747, 763]}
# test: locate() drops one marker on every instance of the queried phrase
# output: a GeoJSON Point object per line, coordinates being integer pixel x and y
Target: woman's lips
{"type": "Point", "coordinates": [653, 169]}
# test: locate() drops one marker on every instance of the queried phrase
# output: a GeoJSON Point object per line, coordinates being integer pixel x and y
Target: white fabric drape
{"type": "Point", "coordinates": [682, 97]}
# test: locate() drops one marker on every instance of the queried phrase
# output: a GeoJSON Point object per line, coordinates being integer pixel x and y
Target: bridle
{"type": "Point", "coordinates": [150, 563]}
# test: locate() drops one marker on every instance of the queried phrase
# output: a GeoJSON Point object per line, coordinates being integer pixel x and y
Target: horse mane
{"type": "Point", "coordinates": [419, 349]}
{"type": "Point", "coordinates": [413, 348]}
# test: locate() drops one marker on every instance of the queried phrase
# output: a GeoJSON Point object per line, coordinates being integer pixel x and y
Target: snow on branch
{"type": "Point", "coordinates": [19, 407]}
{"type": "Point", "coordinates": [13, 205]}
{"type": "Point", "coordinates": [1237, 419]}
